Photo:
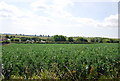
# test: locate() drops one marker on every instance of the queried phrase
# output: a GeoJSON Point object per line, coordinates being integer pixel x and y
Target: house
{"type": "Point", "coordinates": [43, 41]}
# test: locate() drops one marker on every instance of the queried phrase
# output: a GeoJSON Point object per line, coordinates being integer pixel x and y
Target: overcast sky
{"type": "Point", "coordinates": [96, 18]}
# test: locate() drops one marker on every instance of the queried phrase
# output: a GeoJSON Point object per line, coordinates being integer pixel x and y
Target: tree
{"type": "Point", "coordinates": [6, 42]}
{"type": "Point", "coordinates": [48, 35]}
{"type": "Point", "coordinates": [12, 36]}
{"type": "Point", "coordinates": [106, 41]}
{"type": "Point", "coordinates": [7, 36]}
{"type": "Point", "coordinates": [36, 39]}
{"type": "Point", "coordinates": [82, 40]}
{"type": "Point", "coordinates": [70, 39]}
{"type": "Point", "coordinates": [114, 41]}
{"type": "Point", "coordinates": [24, 38]}
{"type": "Point", "coordinates": [16, 39]}
{"type": "Point", "coordinates": [59, 38]}
{"type": "Point", "coordinates": [96, 40]}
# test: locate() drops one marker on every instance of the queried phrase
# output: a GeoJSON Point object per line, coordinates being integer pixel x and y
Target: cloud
{"type": "Point", "coordinates": [56, 21]}
{"type": "Point", "coordinates": [96, 0]}
{"type": "Point", "coordinates": [18, 1]}
{"type": "Point", "coordinates": [29, 1]}
{"type": "Point", "coordinates": [111, 21]}
{"type": "Point", "coordinates": [51, 4]}
{"type": "Point", "coordinates": [56, 9]}
{"type": "Point", "coordinates": [53, 7]}
{"type": "Point", "coordinates": [14, 19]}
{"type": "Point", "coordinates": [13, 13]}
{"type": "Point", "coordinates": [7, 11]}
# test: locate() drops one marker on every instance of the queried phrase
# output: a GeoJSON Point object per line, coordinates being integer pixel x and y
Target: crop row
{"type": "Point", "coordinates": [61, 61]}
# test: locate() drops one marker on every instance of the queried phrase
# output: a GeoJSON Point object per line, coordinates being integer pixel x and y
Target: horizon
{"type": "Point", "coordinates": [49, 35]}
{"type": "Point", "coordinates": [66, 17]}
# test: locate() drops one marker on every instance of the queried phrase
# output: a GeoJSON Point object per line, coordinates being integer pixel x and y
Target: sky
{"type": "Point", "coordinates": [95, 18]}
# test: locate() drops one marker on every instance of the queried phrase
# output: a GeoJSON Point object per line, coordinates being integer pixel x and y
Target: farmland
{"type": "Point", "coordinates": [61, 61]}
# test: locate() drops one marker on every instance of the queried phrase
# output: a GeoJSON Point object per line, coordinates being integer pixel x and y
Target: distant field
{"type": "Point", "coordinates": [61, 61]}
{"type": "Point", "coordinates": [18, 36]}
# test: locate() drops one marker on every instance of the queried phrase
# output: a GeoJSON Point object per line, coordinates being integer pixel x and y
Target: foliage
{"type": "Point", "coordinates": [25, 38]}
{"type": "Point", "coordinates": [12, 36]}
{"type": "Point", "coordinates": [96, 40]}
{"type": "Point", "coordinates": [82, 40]}
{"type": "Point", "coordinates": [15, 39]}
{"type": "Point", "coordinates": [70, 39]}
{"type": "Point", "coordinates": [59, 38]}
{"type": "Point", "coordinates": [36, 39]}
{"type": "Point", "coordinates": [6, 36]}
{"type": "Point", "coordinates": [106, 40]}
{"type": "Point", "coordinates": [61, 61]}
{"type": "Point", "coordinates": [6, 42]}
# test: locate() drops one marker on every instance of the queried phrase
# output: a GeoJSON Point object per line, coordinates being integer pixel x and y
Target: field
{"type": "Point", "coordinates": [61, 61]}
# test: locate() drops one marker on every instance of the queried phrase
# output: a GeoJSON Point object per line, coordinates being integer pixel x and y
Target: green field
{"type": "Point", "coordinates": [61, 61]}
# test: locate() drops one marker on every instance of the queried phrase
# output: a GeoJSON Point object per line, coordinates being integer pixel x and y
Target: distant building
{"type": "Point", "coordinates": [43, 41]}
{"type": "Point", "coordinates": [8, 39]}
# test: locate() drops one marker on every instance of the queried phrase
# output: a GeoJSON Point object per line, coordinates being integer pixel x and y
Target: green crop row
{"type": "Point", "coordinates": [61, 61]}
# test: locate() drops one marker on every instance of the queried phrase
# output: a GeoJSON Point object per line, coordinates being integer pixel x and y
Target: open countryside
{"type": "Point", "coordinates": [59, 40]}
{"type": "Point", "coordinates": [26, 60]}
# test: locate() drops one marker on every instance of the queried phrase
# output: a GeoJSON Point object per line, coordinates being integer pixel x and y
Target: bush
{"type": "Point", "coordinates": [106, 41]}
{"type": "Point", "coordinates": [70, 39]}
{"type": "Point", "coordinates": [82, 40]}
{"type": "Point", "coordinates": [59, 38]}
{"type": "Point", "coordinates": [6, 42]}
{"type": "Point", "coordinates": [15, 40]}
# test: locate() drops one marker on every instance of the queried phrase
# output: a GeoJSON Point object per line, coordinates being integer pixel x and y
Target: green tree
{"type": "Point", "coordinates": [17, 39]}
{"type": "Point", "coordinates": [6, 42]}
{"type": "Point", "coordinates": [12, 36]}
{"type": "Point", "coordinates": [59, 38]}
{"type": "Point", "coordinates": [82, 40]}
{"type": "Point", "coordinates": [70, 39]}
{"type": "Point", "coordinates": [106, 40]}
{"type": "Point", "coordinates": [24, 38]}
{"type": "Point", "coordinates": [114, 41]}
{"type": "Point", "coordinates": [7, 36]}
{"type": "Point", "coordinates": [97, 39]}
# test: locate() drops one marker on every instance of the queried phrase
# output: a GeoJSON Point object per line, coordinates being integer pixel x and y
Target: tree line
{"type": "Point", "coordinates": [57, 39]}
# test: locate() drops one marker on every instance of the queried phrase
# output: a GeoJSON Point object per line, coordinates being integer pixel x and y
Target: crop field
{"type": "Point", "coordinates": [61, 61]}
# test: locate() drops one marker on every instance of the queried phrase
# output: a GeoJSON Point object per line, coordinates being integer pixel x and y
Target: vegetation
{"type": "Point", "coordinates": [82, 40]}
{"type": "Point", "coordinates": [59, 38]}
{"type": "Point", "coordinates": [5, 42]}
{"type": "Point", "coordinates": [70, 39]}
{"type": "Point", "coordinates": [56, 39]}
{"type": "Point", "coordinates": [61, 61]}
{"type": "Point", "coordinates": [7, 36]}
